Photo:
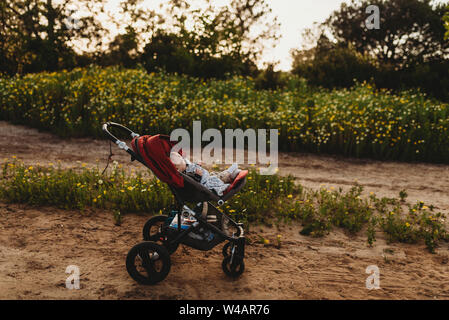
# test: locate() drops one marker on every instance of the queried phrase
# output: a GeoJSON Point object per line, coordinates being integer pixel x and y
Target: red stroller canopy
{"type": "Point", "coordinates": [155, 151]}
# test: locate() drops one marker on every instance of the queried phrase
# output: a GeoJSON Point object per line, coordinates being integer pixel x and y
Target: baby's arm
{"type": "Point", "coordinates": [194, 168]}
{"type": "Point", "coordinates": [199, 171]}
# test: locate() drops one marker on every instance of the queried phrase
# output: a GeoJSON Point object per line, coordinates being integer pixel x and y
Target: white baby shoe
{"type": "Point", "coordinates": [233, 170]}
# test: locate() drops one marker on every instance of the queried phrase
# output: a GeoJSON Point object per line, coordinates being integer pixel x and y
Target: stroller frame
{"type": "Point", "coordinates": [233, 251]}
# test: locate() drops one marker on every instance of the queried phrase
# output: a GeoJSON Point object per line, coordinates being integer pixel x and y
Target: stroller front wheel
{"type": "Point", "coordinates": [234, 269]}
{"type": "Point", "coordinates": [227, 250]}
{"type": "Point", "coordinates": [148, 263]}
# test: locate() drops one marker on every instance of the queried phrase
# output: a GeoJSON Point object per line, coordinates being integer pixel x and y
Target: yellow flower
{"type": "Point", "coordinates": [407, 224]}
{"type": "Point", "coordinates": [290, 196]}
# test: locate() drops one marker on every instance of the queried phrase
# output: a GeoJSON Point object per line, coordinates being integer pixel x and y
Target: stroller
{"type": "Point", "coordinates": [201, 226]}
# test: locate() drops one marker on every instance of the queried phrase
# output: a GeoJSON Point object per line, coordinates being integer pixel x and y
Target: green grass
{"type": "Point", "coordinates": [361, 122]}
{"type": "Point", "coordinates": [265, 199]}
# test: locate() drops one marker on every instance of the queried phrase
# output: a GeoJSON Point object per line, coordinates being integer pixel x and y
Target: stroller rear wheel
{"type": "Point", "coordinates": [153, 230]}
{"type": "Point", "coordinates": [148, 263]}
{"type": "Point", "coordinates": [234, 269]}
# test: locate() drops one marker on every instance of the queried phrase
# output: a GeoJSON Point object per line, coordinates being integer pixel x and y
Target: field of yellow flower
{"type": "Point", "coordinates": [361, 122]}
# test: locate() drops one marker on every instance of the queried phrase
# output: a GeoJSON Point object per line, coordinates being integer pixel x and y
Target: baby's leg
{"type": "Point", "coordinates": [233, 170]}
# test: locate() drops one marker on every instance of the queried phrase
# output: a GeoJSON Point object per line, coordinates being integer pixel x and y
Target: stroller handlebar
{"type": "Point", "coordinates": [121, 144]}
{"type": "Point", "coordinates": [113, 138]}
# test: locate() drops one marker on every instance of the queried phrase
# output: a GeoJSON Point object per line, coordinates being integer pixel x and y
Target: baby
{"type": "Point", "coordinates": [219, 183]}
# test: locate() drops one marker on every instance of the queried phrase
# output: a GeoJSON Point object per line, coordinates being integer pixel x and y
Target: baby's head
{"type": "Point", "coordinates": [178, 161]}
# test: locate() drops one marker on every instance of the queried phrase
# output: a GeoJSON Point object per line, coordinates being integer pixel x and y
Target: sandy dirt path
{"type": "Point", "coordinates": [37, 244]}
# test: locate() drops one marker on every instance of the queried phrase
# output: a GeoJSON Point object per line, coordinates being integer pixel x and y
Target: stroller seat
{"type": "Point", "coordinates": [192, 187]}
{"type": "Point", "coordinates": [154, 152]}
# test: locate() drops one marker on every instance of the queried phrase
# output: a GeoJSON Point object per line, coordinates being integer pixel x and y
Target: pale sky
{"type": "Point", "coordinates": [295, 16]}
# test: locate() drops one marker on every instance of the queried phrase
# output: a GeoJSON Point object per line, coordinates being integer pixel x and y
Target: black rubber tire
{"type": "Point", "coordinates": [146, 249]}
{"type": "Point", "coordinates": [156, 237]}
{"type": "Point", "coordinates": [236, 269]}
{"type": "Point", "coordinates": [226, 251]}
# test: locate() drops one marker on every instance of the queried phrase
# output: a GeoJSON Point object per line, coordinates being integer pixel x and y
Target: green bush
{"type": "Point", "coordinates": [336, 68]}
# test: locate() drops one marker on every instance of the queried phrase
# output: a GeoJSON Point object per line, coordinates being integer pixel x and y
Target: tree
{"type": "Point", "coordinates": [210, 42]}
{"type": "Point", "coordinates": [268, 79]}
{"type": "Point", "coordinates": [123, 50]}
{"type": "Point", "coordinates": [36, 35]}
{"type": "Point", "coordinates": [207, 41]}
{"type": "Point", "coordinates": [446, 23]}
{"type": "Point", "coordinates": [408, 51]}
{"type": "Point", "coordinates": [411, 31]}
{"type": "Point", "coordinates": [167, 51]}
{"type": "Point", "coordinates": [251, 26]}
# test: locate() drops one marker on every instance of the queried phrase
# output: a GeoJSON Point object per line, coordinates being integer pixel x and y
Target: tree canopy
{"type": "Point", "coordinates": [37, 35]}
{"type": "Point", "coordinates": [411, 30]}
{"type": "Point", "coordinates": [407, 50]}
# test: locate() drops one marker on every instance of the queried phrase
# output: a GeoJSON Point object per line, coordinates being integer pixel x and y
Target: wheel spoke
{"type": "Point", "coordinates": [235, 267]}
{"type": "Point", "coordinates": [156, 236]}
{"type": "Point", "coordinates": [147, 263]}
